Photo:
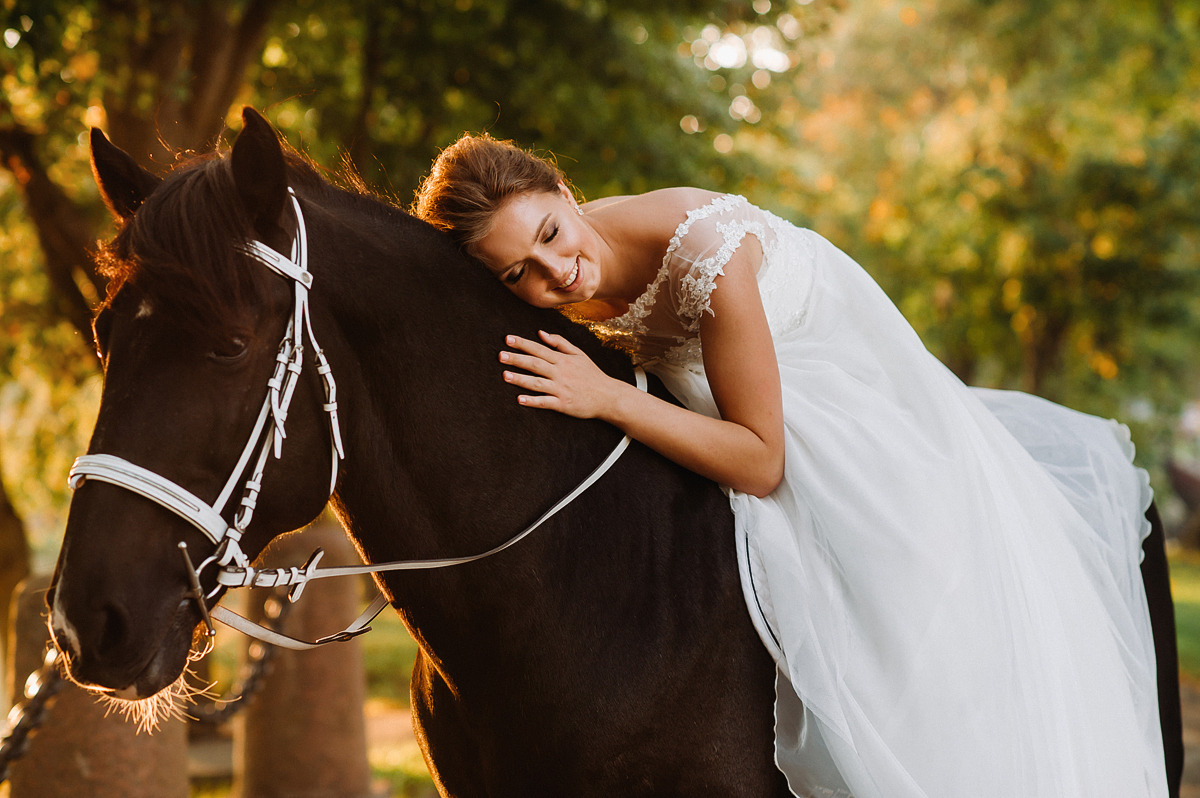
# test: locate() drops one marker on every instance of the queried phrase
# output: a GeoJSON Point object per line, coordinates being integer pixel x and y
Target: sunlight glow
{"type": "Point", "coordinates": [1103, 246]}
{"type": "Point", "coordinates": [94, 116]}
{"type": "Point", "coordinates": [770, 58]}
{"type": "Point", "coordinates": [273, 54]}
{"type": "Point", "coordinates": [729, 52]}
{"type": "Point", "coordinates": [789, 26]}
{"type": "Point", "coordinates": [761, 47]}
{"type": "Point", "coordinates": [744, 108]}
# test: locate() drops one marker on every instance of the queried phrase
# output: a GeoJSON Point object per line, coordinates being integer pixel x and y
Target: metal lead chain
{"type": "Point", "coordinates": [253, 674]}
{"type": "Point", "coordinates": [26, 717]}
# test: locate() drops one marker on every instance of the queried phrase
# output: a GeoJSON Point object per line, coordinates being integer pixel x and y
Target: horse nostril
{"type": "Point", "coordinates": [114, 628]}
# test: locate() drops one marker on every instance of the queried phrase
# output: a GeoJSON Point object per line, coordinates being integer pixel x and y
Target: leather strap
{"type": "Point", "coordinates": [251, 577]}
{"type": "Point", "coordinates": [231, 576]}
{"type": "Point", "coordinates": [360, 625]}
{"type": "Point", "coordinates": [144, 482]}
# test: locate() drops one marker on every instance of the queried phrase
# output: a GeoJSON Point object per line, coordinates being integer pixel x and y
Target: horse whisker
{"type": "Point", "coordinates": [170, 703]}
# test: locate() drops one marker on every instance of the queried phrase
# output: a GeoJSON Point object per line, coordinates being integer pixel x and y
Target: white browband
{"type": "Point", "coordinates": [233, 566]}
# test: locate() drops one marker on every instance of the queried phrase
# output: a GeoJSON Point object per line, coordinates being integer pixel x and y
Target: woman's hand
{"type": "Point", "coordinates": [564, 378]}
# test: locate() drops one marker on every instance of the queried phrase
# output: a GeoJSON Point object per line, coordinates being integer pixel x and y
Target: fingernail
{"type": "Point", "coordinates": [522, 399]}
{"type": "Point", "coordinates": [504, 357]}
{"type": "Point", "coordinates": [508, 376]}
{"type": "Point", "coordinates": [510, 340]}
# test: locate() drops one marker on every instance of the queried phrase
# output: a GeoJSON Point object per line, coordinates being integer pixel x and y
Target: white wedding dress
{"type": "Point", "coordinates": [947, 577]}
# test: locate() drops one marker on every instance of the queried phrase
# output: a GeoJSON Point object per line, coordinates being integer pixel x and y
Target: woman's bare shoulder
{"type": "Point", "coordinates": [656, 213]}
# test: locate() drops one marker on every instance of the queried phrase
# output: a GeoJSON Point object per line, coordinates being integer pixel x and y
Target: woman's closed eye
{"type": "Point", "coordinates": [514, 276]}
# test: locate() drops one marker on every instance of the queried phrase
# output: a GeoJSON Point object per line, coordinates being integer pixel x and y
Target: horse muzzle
{"type": "Point", "coordinates": [108, 656]}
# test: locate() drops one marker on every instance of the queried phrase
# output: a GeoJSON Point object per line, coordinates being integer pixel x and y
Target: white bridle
{"type": "Point", "coordinates": [233, 568]}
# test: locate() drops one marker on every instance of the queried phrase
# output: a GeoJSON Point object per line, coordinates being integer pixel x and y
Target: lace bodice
{"type": "Point", "coordinates": [663, 324]}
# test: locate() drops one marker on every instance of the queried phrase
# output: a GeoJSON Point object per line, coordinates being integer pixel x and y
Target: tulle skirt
{"type": "Point", "coordinates": [948, 578]}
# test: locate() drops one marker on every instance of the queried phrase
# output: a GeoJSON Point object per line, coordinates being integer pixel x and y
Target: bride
{"type": "Point", "coordinates": [947, 577]}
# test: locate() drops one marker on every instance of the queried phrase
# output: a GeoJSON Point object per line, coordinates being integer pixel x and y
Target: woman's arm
{"type": "Point", "coordinates": [743, 449]}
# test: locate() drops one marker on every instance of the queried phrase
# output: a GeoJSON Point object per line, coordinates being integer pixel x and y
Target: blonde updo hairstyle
{"type": "Point", "coordinates": [472, 179]}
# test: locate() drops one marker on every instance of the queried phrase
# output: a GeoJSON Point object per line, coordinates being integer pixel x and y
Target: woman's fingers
{"type": "Point", "coordinates": [544, 398]}
{"type": "Point", "coordinates": [540, 401]}
{"type": "Point", "coordinates": [537, 356]}
{"type": "Point", "coordinates": [550, 344]}
{"type": "Point", "coordinates": [529, 382]}
{"type": "Point", "coordinates": [533, 363]}
{"type": "Point", "coordinates": [530, 347]}
{"type": "Point", "coordinates": [559, 343]}
{"type": "Point", "coordinates": [560, 375]}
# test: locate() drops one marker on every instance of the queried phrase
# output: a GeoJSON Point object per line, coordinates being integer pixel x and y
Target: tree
{"type": "Point", "coordinates": [603, 83]}
{"type": "Point", "coordinates": [1024, 195]}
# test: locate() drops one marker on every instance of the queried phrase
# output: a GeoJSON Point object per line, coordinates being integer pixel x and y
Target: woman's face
{"type": "Point", "coordinates": [542, 249]}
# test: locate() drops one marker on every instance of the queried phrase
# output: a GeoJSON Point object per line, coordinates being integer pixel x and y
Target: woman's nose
{"type": "Point", "coordinates": [556, 272]}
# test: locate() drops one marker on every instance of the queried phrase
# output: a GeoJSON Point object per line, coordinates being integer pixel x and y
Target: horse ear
{"type": "Point", "coordinates": [123, 183]}
{"type": "Point", "coordinates": [258, 170]}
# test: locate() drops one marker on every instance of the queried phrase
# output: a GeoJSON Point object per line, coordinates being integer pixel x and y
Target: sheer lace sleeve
{"type": "Point", "coordinates": [664, 322]}
{"type": "Point", "coordinates": [700, 250]}
{"type": "Point", "coordinates": [709, 237]}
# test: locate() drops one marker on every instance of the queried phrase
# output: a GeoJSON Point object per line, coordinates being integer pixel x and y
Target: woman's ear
{"type": "Point", "coordinates": [567, 194]}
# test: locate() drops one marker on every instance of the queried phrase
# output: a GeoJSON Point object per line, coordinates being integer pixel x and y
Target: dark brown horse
{"type": "Point", "coordinates": [610, 653]}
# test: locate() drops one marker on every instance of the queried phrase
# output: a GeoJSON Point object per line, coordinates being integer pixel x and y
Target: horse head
{"type": "Point", "coordinates": [188, 336]}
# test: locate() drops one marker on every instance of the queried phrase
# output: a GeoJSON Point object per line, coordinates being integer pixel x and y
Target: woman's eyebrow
{"type": "Point", "coordinates": [537, 235]}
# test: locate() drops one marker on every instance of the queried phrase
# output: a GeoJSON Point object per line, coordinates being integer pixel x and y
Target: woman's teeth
{"type": "Point", "coordinates": [570, 277]}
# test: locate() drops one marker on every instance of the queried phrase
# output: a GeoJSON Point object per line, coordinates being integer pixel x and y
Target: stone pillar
{"type": "Point", "coordinates": [304, 734]}
{"type": "Point", "coordinates": [79, 751]}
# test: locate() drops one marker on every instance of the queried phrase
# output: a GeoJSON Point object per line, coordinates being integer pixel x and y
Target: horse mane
{"type": "Point", "coordinates": [178, 251]}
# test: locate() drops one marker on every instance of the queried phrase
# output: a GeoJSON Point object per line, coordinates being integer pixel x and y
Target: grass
{"type": "Point", "coordinates": [1185, 589]}
{"type": "Point", "coordinates": [388, 654]}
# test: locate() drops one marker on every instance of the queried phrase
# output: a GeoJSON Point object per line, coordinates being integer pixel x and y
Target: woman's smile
{"type": "Point", "coordinates": [572, 281]}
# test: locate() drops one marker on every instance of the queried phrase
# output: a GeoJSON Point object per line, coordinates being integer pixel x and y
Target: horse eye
{"type": "Point", "coordinates": [230, 350]}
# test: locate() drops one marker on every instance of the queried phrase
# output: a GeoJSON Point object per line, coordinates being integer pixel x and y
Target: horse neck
{"type": "Point", "coordinates": [441, 460]}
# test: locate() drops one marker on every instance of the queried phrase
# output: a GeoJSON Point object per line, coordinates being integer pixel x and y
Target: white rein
{"type": "Point", "coordinates": [232, 564]}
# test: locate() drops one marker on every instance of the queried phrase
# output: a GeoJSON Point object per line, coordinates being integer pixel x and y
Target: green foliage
{"type": "Point", "coordinates": [388, 656]}
{"type": "Point", "coordinates": [604, 84]}
{"type": "Point", "coordinates": [1026, 197]}
{"type": "Point", "coordinates": [49, 390]}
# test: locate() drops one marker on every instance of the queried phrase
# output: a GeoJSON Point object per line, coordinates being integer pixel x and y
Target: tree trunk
{"type": "Point", "coordinates": [63, 229]}
{"type": "Point", "coordinates": [14, 562]}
